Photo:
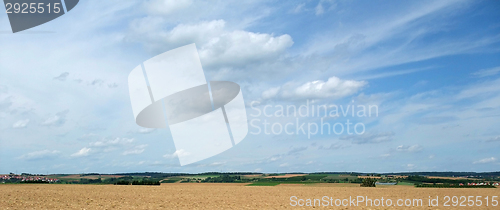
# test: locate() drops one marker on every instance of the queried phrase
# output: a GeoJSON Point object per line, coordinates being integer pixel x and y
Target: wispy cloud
{"type": "Point", "coordinates": [487, 72]}
{"type": "Point", "coordinates": [485, 160]}
{"type": "Point", "coordinates": [146, 130]}
{"type": "Point", "coordinates": [369, 138]}
{"type": "Point", "coordinates": [62, 77]}
{"type": "Point", "coordinates": [494, 139]}
{"type": "Point", "coordinates": [136, 150]}
{"type": "Point", "coordinates": [57, 120]}
{"type": "Point", "coordinates": [39, 155]}
{"type": "Point", "coordinates": [413, 148]}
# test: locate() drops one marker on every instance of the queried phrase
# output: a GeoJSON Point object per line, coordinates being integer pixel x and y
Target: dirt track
{"type": "Point", "coordinates": [210, 196]}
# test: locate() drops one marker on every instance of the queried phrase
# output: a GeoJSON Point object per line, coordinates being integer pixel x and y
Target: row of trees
{"type": "Point", "coordinates": [138, 182]}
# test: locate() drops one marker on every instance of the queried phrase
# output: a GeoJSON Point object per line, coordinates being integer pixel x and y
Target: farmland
{"type": "Point", "coordinates": [208, 195]}
{"type": "Point", "coordinates": [257, 179]}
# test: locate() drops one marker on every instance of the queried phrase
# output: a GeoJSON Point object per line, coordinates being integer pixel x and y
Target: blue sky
{"type": "Point", "coordinates": [431, 67]}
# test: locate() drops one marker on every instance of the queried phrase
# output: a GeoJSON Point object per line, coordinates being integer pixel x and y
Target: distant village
{"type": "Point", "coordinates": [24, 178]}
{"type": "Point", "coordinates": [479, 184]}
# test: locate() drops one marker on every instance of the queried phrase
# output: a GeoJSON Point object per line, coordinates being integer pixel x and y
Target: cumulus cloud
{"type": "Point", "coordinates": [240, 48]}
{"type": "Point", "coordinates": [369, 138]}
{"type": "Point", "coordinates": [56, 120]}
{"type": "Point", "coordinates": [218, 46]}
{"type": "Point", "coordinates": [333, 88]}
{"type": "Point", "coordinates": [485, 160]}
{"type": "Point", "coordinates": [414, 148]}
{"type": "Point", "coordinates": [82, 153]}
{"type": "Point", "coordinates": [21, 124]}
{"type": "Point", "coordinates": [177, 153]}
{"type": "Point", "coordinates": [44, 154]}
{"type": "Point", "coordinates": [62, 77]}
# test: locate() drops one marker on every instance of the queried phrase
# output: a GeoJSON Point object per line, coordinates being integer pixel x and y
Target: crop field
{"type": "Point", "coordinates": [211, 196]}
{"type": "Point", "coordinates": [285, 176]}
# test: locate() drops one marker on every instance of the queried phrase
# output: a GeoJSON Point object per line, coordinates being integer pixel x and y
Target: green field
{"type": "Point", "coordinates": [171, 180]}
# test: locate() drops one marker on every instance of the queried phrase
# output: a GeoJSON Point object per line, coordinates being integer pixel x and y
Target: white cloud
{"type": "Point", "coordinates": [319, 9]}
{"type": "Point", "coordinates": [218, 46]}
{"type": "Point", "coordinates": [284, 165]}
{"type": "Point", "coordinates": [485, 160]}
{"type": "Point", "coordinates": [56, 120]}
{"type": "Point", "coordinates": [487, 72]}
{"type": "Point", "coordinates": [333, 88]}
{"type": "Point", "coordinates": [166, 7]}
{"type": "Point", "coordinates": [136, 150]}
{"type": "Point", "coordinates": [40, 155]}
{"type": "Point", "coordinates": [414, 148]}
{"type": "Point", "coordinates": [108, 145]}
{"type": "Point", "coordinates": [177, 153]}
{"type": "Point", "coordinates": [21, 124]}
{"type": "Point", "coordinates": [394, 32]}
{"type": "Point", "coordinates": [369, 138]}
{"type": "Point", "coordinates": [83, 152]}
{"type": "Point", "coordinates": [322, 4]}
{"type": "Point", "coordinates": [299, 8]}
{"type": "Point", "coordinates": [112, 142]}
{"type": "Point", "coordinates": [271, 92]}
{"type": "Point", "coordinates": [494, 139]}
{"type": "Point", "coordinates": [146, 130]}
{"type": "Point", "coordinates": [240, 48]}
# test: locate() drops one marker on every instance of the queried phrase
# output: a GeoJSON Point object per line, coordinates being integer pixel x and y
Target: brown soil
{"type": "Point", "coordinates": [211, 196]}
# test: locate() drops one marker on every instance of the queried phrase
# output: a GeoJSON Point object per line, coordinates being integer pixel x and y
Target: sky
{"type": "Point", "coordinates": [432, 69]}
